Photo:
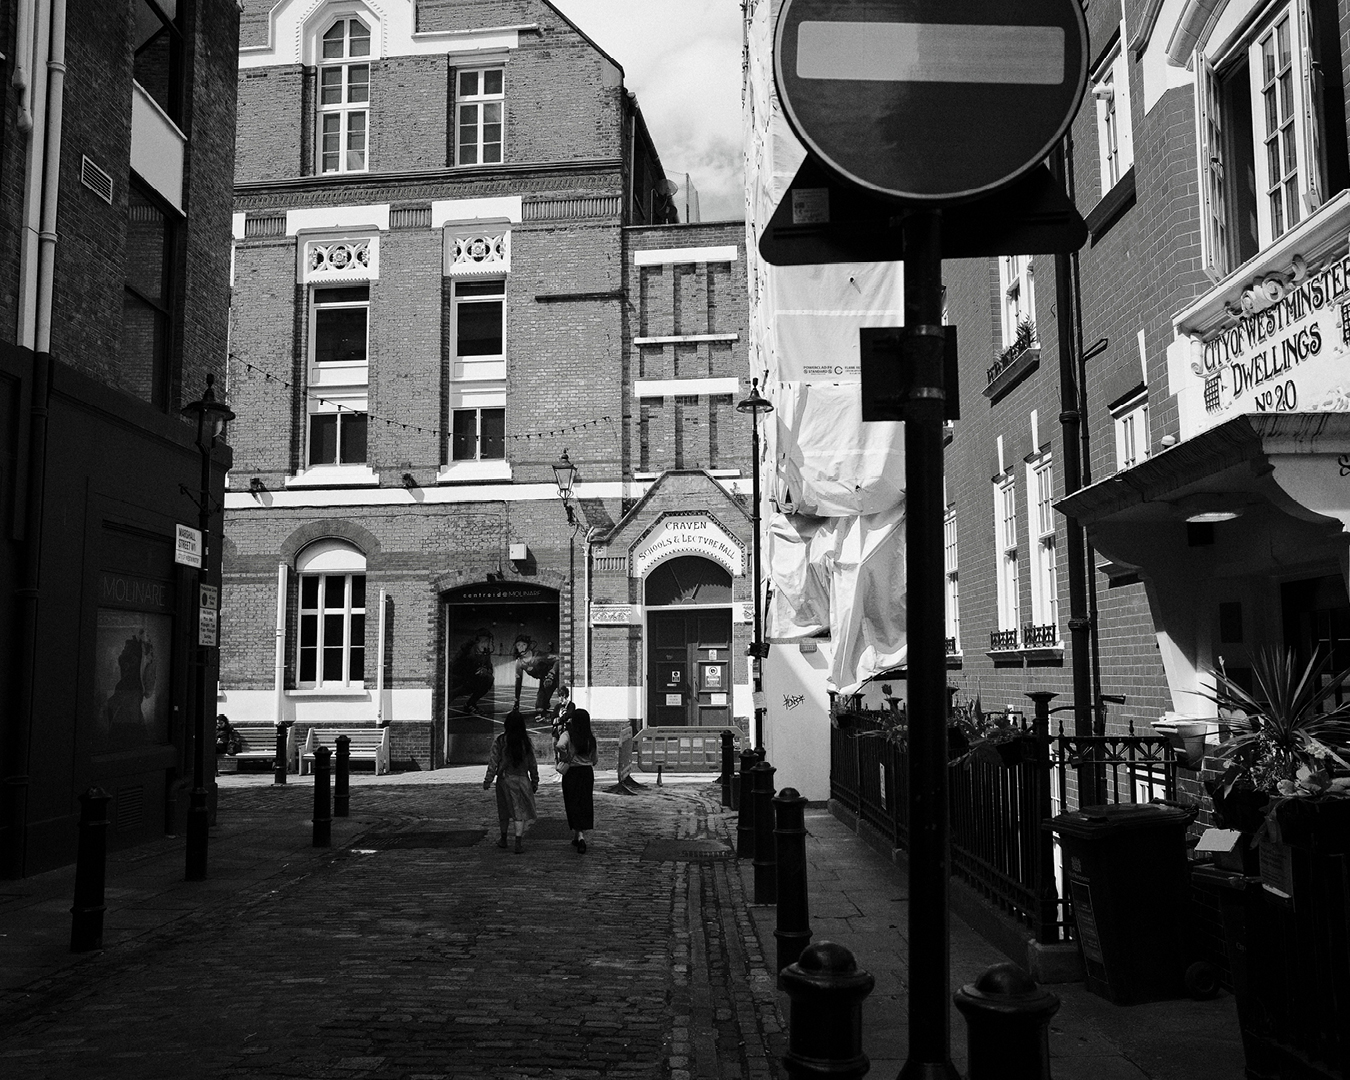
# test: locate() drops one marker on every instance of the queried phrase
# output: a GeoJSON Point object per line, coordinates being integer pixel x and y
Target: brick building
{"type": "Point", "coordinates": [1201, 337]}
{"type": "Point", "coordinates": [457, 261]}
{"type": "Point", "coordinates": [117, 152]}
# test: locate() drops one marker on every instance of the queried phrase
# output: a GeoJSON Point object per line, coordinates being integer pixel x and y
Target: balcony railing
{"type": "Point", "coordinates": [951, 646]}
{"type": "Point", "coordinates": [1040, 637]}
{"type": "Point", "coordinates": [1003, 639]}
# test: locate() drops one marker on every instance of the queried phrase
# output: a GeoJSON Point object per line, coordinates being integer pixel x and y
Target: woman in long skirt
{"type": "Point", "coordinates": [577, 756]}
{"type": "Point", "coordinates": [513, 766]}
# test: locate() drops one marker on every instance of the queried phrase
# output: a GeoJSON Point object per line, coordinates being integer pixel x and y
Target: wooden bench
{"type": "Point", "coordinates": [368, 744]}
{"type": "Point", "coordinates": [683, 749]}
{"type": "Point", "coordinates": [259, 739]}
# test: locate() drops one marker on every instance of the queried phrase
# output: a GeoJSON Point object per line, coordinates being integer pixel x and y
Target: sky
{"type": "Point", "coordinates": [683, 60]}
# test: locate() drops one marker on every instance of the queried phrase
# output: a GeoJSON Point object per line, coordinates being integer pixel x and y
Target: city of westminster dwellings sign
{"type": "Point", "coordinates": [1278, 343]}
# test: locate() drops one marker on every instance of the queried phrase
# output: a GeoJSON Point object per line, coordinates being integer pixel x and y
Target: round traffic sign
{"type": "Point", "coordinates": [931, 101]}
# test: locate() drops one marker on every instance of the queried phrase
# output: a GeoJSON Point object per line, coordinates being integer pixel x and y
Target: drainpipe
{"type": "Point", "coordinates": [1071, 419]}
{"type": "Point", "coordinates": [279, 660]}
{"type": "Point", "coordinates": [40, 199]}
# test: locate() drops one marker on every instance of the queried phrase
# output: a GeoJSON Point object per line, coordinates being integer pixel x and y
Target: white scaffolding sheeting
{"type": "Point", "coordinates": [867, 599]}
{"type": "Point", "coordinates": [828, 463]}
{"type": "Point", "coordinates": [800, 555]}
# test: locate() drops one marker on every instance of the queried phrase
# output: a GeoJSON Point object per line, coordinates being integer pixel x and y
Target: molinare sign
{"type": "Point", "coordinates": [687, 534]}
{"type": "Point", "coordinates": [1286, 357]}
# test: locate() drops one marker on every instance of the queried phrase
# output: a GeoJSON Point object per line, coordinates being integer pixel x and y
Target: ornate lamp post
{"type": "Point", "coordinates": [211, 416]}
{"type": "Point", "coordinates": [565, 475]}
{"type": "Point", "coordinates": [754, 405]}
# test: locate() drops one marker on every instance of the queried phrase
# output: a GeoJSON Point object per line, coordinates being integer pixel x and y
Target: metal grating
{"type": "Point", "coordinates": [129, 807]}
{"type": "Point", "coordinates": [267, 225]}
{"type": "Point", "coordinates": [410, 217]}
{"type": "Point", "coordinates": [96, 180]}
{"type": "Point", "coordinates": [686, 851]}
{"type": "Point", "coordinates": [583, 207]}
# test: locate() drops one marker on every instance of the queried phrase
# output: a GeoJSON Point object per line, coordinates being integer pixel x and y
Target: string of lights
{"type": "Point", "coordinates": [524, 436]}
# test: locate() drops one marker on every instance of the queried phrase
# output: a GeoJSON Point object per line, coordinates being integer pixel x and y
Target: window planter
{"type": "Point", "coordinates": [1005, 373]}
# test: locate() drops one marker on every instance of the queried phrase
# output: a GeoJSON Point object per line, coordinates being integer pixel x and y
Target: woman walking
{"type": "Point", "coordinates": [512, 765]}
{"type": "Point", "coordinates": [576, 761]}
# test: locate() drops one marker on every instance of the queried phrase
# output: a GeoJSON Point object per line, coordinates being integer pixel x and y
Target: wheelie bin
{"type": "Point", "coordinates": [1128, 878]}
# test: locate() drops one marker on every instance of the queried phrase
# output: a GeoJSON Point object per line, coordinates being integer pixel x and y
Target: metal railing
{"type": "Point", "coordinates": [998, 844]}
{"type": "Point", "coordinates": [1003, 639]}
{"type": "Point", "coordinates": [1042, 636]}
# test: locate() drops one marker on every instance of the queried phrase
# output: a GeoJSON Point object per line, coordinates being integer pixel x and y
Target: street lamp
{"type": "Point", "coordinates": [754, 405]}
{"type": "Point", "coordinates": [565, 475]}
{"type": "Point", "coordinates": [211, 416]}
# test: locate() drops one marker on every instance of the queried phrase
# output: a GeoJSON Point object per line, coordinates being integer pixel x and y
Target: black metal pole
{"type": "Point", "coordinates": [728, 766]}
{"type": "Point", "coordinates": [91, 863]}
{"type": "Point", "coordinates": [745, 821]}
{"type": "Point", "coordinates": [756, 661]}
{"type": "Point", "coordinates": [323, 810]}
{"type": "Point", "coordinates": [198, 815]}
{"type": "Point", "coordinates": [929, 856]}
{"type": "Point", "coordinates": [766, 858]}
{"type": "Point", "coordinates": [342, 777]}
{"type": "Point", "coordinates": [793, 932]}
{"type": "Point", "coordinates": [282, 762]}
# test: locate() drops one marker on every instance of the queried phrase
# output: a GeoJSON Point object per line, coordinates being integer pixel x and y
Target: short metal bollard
{"type": "Point", "coordinates": [323, 813]}
{"type": "Point", "coordinates": [825, 989]}
{"type": "Point", "coordinates": [728, 767]}
{"type": "Point", "coordinates": [342, 777]}
{"type": "Point", "coordinates": [793, 932]}
{"type": "Point", "coordinates": [745, 807]}
{"type": "Point", "coordinates": [1007, 1025]}
{"type": "Point", "coordinates": [766, 862]}
{"type": "Point", "coordinates": [91, 865]}
{"type": "Point", "coordinates": [281, 763]}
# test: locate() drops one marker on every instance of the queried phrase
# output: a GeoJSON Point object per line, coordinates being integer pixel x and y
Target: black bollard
{"type": "Point", "coordinates": [793, 932]}
{"type": "Point", "coordinates": [766, 863]}
{"type": "Point", "coordinates": [91, 863]}
{"type": "Point", "coordinates": [323, 813]}
{"type": "Point", "coordinates": [825, 989]}
{"type": "Point", "coordinates": [1007, 1025]}
{"type": "Point", "coordinates": [342, 777]}
{"type": "Point", "coordinates": [281, 763]}
{"type": "Point", "coordinates": [728, 766]}
{"type": "Point", "coordinates": [745, 807]}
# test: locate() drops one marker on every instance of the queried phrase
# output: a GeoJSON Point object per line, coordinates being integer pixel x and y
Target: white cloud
{"type": "Point", "coordinates": [683, 60]}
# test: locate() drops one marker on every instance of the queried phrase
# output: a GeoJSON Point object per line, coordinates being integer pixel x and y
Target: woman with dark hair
{"type": "Point", "coordinates": [577, 758]}
{"type": "Point", "coordinates": [512, 765]}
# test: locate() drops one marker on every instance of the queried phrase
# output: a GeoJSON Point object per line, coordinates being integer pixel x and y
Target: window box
{"type": "Point", "coordinates": [1008, 370]}
{"type": "Point", "coordinates": [1111, 206]}
{"type": "Point", "coordinates": [474, 472]}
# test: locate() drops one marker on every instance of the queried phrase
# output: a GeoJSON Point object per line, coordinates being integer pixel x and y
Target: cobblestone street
{"type": "Point", "coordinates": [416, 948]}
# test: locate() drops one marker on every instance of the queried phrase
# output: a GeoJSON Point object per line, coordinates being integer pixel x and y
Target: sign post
{"type": "Point", "coordinates": [927, 115]}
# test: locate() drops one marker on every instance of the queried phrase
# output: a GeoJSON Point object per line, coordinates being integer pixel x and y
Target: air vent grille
{"type": "Point", "coordinates": [96, 180]}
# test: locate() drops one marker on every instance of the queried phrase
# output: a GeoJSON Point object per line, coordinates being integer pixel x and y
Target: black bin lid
{"type": "Point", "coordinates": [1114, 819]}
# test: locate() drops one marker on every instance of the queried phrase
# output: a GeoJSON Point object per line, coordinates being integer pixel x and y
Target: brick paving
{"type": "Point", "coordinates": [414, 949]}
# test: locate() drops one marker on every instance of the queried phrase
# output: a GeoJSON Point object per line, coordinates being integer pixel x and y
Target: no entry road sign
{"type": "Point", "coordinates": [926, 101]}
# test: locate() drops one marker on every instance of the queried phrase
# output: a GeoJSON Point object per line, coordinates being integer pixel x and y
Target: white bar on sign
{"type": "Point", "coordinates": [931, 52]}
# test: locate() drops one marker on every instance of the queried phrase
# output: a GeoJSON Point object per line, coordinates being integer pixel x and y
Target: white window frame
{"type": "Point", "coordinates": [477, 366]}
{"type": "Point", "coordinates": [1005, 534]}
{"type": "Point", "coordinates": [1130, 420]}
{"type": "Point", "coordinates": [952, 577]}
{"type": "Point", "coordinates": [1042, 542]}
{"type": "Point", "coordinates": [1017, 293]}
{"type": "Point", "coordinates": [477, 411]}
{"type": "Point", "coordinates": [1301, 184]}
{"type": "Point", "coordinates": [349, 113]}
{"type": "Point", "coordinates": [474, 112]}
{"type": "Point", "coordinates": [322, 561]}
{"type": "Point", "coordinates": [1115, 135]}
{"type": "Point", "coordinates": [340, 386]}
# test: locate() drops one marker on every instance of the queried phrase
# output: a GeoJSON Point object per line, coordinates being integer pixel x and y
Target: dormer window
{"type": "Point", "coordinates": [344, 97]}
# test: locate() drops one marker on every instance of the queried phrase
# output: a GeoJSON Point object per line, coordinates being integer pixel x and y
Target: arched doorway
{"type": "Point", "coordinates": [688, 601]}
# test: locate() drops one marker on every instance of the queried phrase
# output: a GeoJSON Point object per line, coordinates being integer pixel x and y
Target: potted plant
{"type": "Point", "coordinates": [1286, 783]}
{"type": "Point", "coordinates": [998, 738]}
{"type": "Point", "coordinates": [1287, 742]}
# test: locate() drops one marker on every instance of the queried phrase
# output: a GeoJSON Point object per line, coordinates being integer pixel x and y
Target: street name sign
{"type": "Point", "coordinates": [187, 549]}
{"type": "Point", "coordinates": [930, 103]}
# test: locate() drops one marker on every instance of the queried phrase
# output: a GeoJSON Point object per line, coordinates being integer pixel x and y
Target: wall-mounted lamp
{"type": "Point", "coordinates": [565, 475]}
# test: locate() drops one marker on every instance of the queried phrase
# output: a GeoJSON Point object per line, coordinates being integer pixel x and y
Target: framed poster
{"type": "Point", "coordinates": [674, 699]}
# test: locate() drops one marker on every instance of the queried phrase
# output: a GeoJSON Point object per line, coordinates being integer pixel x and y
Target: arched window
{"type": "Point", "coordinates": [687, 580]}
{"type": "Point", "coordinates": [331, 650]}
{"type": "Point", "coordinates": [344, 96]}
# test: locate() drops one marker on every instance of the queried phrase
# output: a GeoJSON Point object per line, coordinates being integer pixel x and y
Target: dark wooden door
{"type": "Point", "coordinates": [689, 669]}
